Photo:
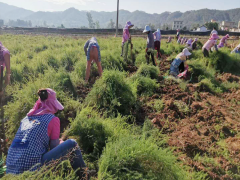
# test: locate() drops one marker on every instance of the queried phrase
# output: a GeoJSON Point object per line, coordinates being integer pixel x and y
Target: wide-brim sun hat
{"type": "Point", "coordinates": [52, 96]}
{"type": "Point", "coordinates": [215, 36]}
{"type": "Point", "coordinates": [129, 24]}
{"type": "Point", "coordinates": [186, 52]}
{"type": "Point", "coordinates": [147, 29]}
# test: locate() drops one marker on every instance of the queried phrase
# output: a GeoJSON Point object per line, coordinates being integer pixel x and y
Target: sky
{"type": "Point", "coordinates": [149, 6]}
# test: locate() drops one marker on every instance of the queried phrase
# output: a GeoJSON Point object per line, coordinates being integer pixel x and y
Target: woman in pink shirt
{"type": "Point", "coordinates": [5, 62]}
{"type": "Point", "coordinates": [223, 41]}
{"type": "Point", "coordinates": [39, 131]}
{"type": "Point", "coordinates": [126, 39]}
{"type": "Point", "coordinates": [209, 44]}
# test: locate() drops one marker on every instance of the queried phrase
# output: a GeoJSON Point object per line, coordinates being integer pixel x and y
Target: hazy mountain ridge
{"type": "Point", "coordinates": [75, 18]}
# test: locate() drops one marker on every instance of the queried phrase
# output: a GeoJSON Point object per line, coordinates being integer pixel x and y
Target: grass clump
{"type": "Point", "coordinates": [148, 71]}
{"type": "Point", "coordinates": [182, 106]}
{"type": "Point", "coordinates": [112, 93]}
{"type": "Point", "coordinates": [131, 158]}
{"type": "Point", "coordinates": [158, 105]}
{"type": "Point", "coordinates": [143, 85]}
{"type": "Point", "coordinates": [90, 132]}
{"type": "Point", "coordinates": [62, 171]}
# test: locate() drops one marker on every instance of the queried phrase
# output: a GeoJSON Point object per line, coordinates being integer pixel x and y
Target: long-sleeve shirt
{"type": "Point", "coordinates": [223, 41]}
{"type": "Point", "coordinates": [157, 36]}
{"type": "Point", "coordinates": [150, 40]}
{"type": "Point", "coordinates": [209, 44]}
{"type": "Point", "coordinates": [126, 35]}
{"type": "Point", "coordinates": [214, 32]}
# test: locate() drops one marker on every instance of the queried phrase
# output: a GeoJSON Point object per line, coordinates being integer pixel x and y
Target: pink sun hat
{"type": "Point", "coordinates": [49, 106]}
{"type": "Point", "coordinates": [214, 37]}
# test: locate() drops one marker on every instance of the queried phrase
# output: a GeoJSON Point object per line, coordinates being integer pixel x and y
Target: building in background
{"type": "Point", "coordinates": [177, 25]}
{"type": "Point", "coordinates": [213, 21]}
{"type": "Point", "coordinates": [202, 29]}
{"type": "Point", "coordinates": [227, 25]}
{"type": "Point", "coordinates": [1, 23]}
{"type": "Point", "coordinates": [239, 25]}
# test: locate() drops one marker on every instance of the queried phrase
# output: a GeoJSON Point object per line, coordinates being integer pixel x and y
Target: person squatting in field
{"type": "Point", "coordinates": [189, 43]}
{"type": "Point", "coordinates": [236, 50]}
{"type": "Point", "coordinates": [178, 64]}
{"type": "Point", "coordinates": [223, 41]}
{"type": "Point", "coordinates": [212, 42]}
{"type": "Point", "coordinates": [157, 42]}
{"type": "Point", "coordinates": [169, 39]}
{"type": "Point", "coordinates": [179, 40]}
{"type": "Point", "coordinates": [5, 62]}
{"type": "Point", "coordinates": [39, 131]}
{"type": "Point", "coordinates": [183, 40]}
{"type": "Point", "coordinates": [126, 39]}
{"type": "Point", "coordinates": [92, 51]}
{"type": "Point", "coordinates": [150, 45]}
{"type": "Point", "coordinates": [194, 44]}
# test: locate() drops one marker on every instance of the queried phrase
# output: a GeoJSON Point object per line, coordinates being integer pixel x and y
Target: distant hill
{"type": "Point", "coordinates": [75, 18]}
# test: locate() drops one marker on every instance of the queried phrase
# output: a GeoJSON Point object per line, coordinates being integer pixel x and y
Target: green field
{"type": "Point", "coordinates": [134, 122]}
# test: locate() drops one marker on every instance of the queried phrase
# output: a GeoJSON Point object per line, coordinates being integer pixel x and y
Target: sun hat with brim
{"type": "Point", "coordinates": [147, 29]}
{"type": "Point", "coordinates": [52, 96]}
{"type": "Point", "coordinates": [129, 24]}
{"type": "Point", "coordinates": [186, 52]}
{"type": "Point", "coordinates": [214, 36]}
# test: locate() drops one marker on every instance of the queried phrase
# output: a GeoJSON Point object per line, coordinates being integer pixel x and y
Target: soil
{"type": "Point", "coordinates": [208, 126]}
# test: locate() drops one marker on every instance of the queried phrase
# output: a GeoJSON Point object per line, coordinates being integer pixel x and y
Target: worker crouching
{"type": "Point", "coordinates": [39, 131]}
{"type": "Point", "coordinates": [178, 64]}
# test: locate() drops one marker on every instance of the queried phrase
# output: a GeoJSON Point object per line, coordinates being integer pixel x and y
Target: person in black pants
{"type": "Point", "coordinates": [150, 45]}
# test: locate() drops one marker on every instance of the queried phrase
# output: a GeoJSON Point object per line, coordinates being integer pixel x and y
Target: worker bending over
{"type": "Point", "coordinates": [92, 51]}
{"type": "Point", "coordinates": [212, 42]}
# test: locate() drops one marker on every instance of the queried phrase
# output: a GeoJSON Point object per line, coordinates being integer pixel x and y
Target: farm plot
{"type": "Point", "coordinates": [135, 122]}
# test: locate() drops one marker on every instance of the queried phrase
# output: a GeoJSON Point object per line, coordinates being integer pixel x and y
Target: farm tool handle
{"type": "Point", "coordinates": [1, 107]}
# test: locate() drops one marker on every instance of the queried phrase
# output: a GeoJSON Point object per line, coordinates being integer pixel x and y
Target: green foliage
{"type": "Point", "coordinates": [113, 93]}
{"type": "Point", "coordinates": [211, 25]}
{"type": "Point", "coordinates": [143, 85]}
{"type": "Point", "coordinates": [62, 171]}
{"type": "Point", "coordinates": [137, 158]}
{"type": "Point", "coordinates": [91, 133]}
{"type": "Point", "coordinates": [25, 96]}
{"type": "Point", "coordinates": [182, 106]}
{"type": "Point", "coordinates": [148, 71]}
{"type": "Point", "coordinates": [158, 105]}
